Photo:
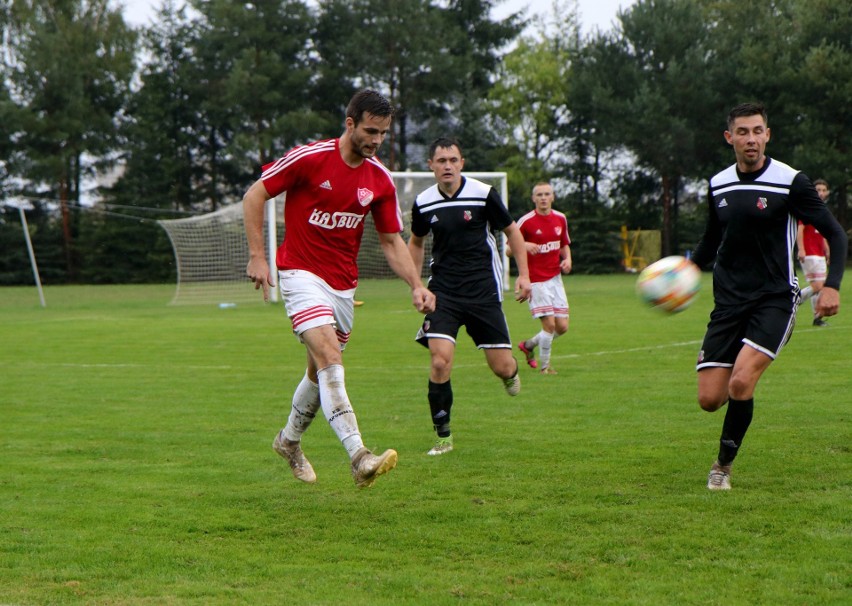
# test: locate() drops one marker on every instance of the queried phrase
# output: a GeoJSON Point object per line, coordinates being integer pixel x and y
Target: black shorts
{"type": "Point", "coordinates": [765, 324]}
{"type": "Point", "coordinates": [483, 320]}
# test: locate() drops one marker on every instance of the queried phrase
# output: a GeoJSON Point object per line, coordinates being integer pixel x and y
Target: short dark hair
{"type": "Point", "coordinates": [370, 102]}
{"type": "Point", "coordinates": [752, 108]}
{"type": "Point", "coordinates": [821, 182]}
{"type": "Point", "coordinates": [443, 143]}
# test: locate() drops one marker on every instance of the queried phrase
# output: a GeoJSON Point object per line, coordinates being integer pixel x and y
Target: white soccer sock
{"type": "Point", "coordinates": [814, 301]}
{"type": "Point", "coordinates": [306, 403]}
{"type": "Point", "coordinates": [338, 409]}
{"type": "Point", "coordinates": [536, 340]}
{"type": "Point", "coordinates": [546, 342]}
{"type": "Point", "coordinates": [807, 293]}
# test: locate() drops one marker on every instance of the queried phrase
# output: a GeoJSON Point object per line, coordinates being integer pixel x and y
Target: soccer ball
{"type": "Point", "coordinates": [669, 284]}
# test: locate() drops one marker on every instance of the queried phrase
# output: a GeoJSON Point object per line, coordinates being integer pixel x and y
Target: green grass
{"type": "Point", "coordinates": [137, 469]}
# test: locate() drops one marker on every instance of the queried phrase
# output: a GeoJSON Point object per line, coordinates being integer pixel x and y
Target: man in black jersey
{"type": "Point", "coordinates": [467, 277]}
{"type": "Point", "coordinates": [754, 205]}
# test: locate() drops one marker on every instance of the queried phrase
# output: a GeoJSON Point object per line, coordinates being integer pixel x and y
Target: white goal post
{"type": "Point", "coordinates": [211, 251]}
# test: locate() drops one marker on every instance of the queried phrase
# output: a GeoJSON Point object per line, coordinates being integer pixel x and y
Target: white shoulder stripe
{"type": "Point", "coordinates": [752, 187]}
{"type": "Point", "coordinates": [526, 218]}
{"type": "Point", "coordinates": [383, 168]}
{"type": "Point", "coordinates": [296, 154]}
{"type": "Point", "coordinates": [450, 203]}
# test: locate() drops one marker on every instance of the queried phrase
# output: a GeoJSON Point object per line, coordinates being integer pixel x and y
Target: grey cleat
{"type": "Point", "coordinates": [292, 453]}
{"type": "Point", "coordinates": [719, 477]}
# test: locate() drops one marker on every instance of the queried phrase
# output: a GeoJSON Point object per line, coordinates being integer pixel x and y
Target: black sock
{"type": "Point", "coordinates": [737, 420]}
{"type": "Point", "coordinates": [440, 403]}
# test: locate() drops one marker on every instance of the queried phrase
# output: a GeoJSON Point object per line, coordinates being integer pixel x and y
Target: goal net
{"type": "Point", "coordinates": [211, 251]}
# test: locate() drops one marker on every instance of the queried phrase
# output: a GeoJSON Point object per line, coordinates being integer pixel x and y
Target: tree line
{"type": "Point", "coordinates": [627, 123]}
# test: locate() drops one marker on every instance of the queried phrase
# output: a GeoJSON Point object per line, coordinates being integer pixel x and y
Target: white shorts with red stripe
{"type": "Point", "coordinates": [815, 268]}
{"type": "Point", "coordinates": [549, 299]}
{"type": "Point", "coordinates": [311, 302]}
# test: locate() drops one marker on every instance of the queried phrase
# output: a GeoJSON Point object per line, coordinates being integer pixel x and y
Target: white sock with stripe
{"type": "Point", "coordinates": [337, 408]}
{"type": "Point", "coordinates": [306, 403]}
{"type": "Point", "coordinates": [545, 343]}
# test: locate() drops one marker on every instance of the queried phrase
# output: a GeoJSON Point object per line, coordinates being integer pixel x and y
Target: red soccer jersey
{"type": "Point", "coordinates": [813, 241]}
{"type": "Point", "coordinates": [550, 232]}
{"type": "Point", "coordinates": [325, 207]}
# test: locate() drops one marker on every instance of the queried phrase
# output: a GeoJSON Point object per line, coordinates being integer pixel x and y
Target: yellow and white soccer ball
{"type": "Point", "coordinates": [669, 284]}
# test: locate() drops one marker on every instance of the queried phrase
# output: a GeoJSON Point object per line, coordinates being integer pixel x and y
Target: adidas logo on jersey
{"type": "Point", "coordinates": [326, 184]}
{"type": "Point", "coordinates": [434, 219]}
{"type": "Point", "coordinates": [723, 203]}
{"type": "Point", "coordinates": [538, 232]}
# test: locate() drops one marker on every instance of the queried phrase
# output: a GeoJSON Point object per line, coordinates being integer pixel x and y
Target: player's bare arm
{"type": "Point", "coordinates": [258, 268]}
{"type": "Point", "coordinates": [415, 249]}
{"type": "Point", "coordinates": [531, 247]}
{"type": "Point", "coordinates": [516, 242]}
{"type": "Point", "coordinates": [800, 243]}
{"type": "Point", "coordinates": [401, 262]}
{"type": "Point", "coordinates": [565, 265]}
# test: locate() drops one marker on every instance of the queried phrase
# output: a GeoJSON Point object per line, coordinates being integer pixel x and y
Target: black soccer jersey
{"type": "Point", "coordinates": [465, 260]}
{"type": "Point", "coordinates": [751, 231]}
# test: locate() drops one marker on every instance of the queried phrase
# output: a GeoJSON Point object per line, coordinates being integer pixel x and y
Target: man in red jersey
{"type": "Point", "coordinates": [548, 246]}
{"type": "Point", "coordinates": [813, 254]}
{"type": "Point", "coordinates": [331, 185]}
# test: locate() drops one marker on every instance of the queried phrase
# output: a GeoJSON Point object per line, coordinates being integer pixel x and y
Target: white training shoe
{"type": "Point", "coordinates": [512, 385]}
{"type": "Point", "coordinates": [366, 466]}
{"type": "Point", "coordinates": [292, 453]}
{"type": "Point", "coordinates": [442, 445]}
{"type": "Point", "coordinates": [719, 477]}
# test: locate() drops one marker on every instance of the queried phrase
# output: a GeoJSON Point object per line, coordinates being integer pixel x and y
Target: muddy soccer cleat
{"type": "Point", "coordinates": [366, 466]}
{"type": "Point", "coordinates": [292, 453]}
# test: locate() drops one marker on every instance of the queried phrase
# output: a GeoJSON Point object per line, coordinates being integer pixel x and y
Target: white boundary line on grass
{"type": "Point", "coordinates": [559, 357]}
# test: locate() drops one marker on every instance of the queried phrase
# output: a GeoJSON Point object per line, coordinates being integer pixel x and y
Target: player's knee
{"type": "Point", "coordinates": [441, 366]}
{"type": "Point", "coordinates": [741, 387]}
{"type": "Point", "coordinates": [711, 402]}
{"type": "Point", "coordinates": [505, 369]}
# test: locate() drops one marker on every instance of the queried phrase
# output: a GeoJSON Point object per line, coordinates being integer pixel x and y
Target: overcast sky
{"type": "Point", "coordinates": [594, 14]}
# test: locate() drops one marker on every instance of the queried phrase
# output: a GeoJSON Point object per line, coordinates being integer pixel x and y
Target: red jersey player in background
{"type": "Point", "coordinates": [548, 246]}
{"type": "Point", "coordinates": [331, 185]}
{"type": "Point", "coordinates": [813, 254]}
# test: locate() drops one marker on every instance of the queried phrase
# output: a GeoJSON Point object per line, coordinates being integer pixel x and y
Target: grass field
{"type": "Point", "coordinates": [137, 467]}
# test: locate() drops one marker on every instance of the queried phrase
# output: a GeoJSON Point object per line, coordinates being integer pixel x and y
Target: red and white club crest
{"type": "Point", "coordinates": [467, 215]}
{"type": "Point", "coordinates": [762, 203]}
{"type": "Point", "coordinates": [365, 196]}
{"type": "Point", "coordinates": [558, 231]}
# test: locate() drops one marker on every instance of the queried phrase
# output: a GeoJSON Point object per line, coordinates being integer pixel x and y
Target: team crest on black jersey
{"type": "Point", "coordinates": [762, 203]}
{"type": "Point", "coordinates": [365, 196]}
{"type": "Point", "coordinates": [467, 215]}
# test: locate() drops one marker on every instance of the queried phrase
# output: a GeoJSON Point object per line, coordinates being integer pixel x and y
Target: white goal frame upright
{"type": "Point", "coordinates": [211, 251]}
